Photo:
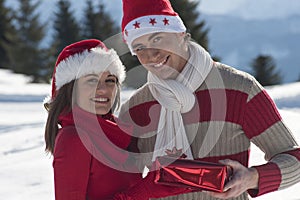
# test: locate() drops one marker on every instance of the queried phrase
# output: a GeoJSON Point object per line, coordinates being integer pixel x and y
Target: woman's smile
{"type": "Point", "coordinates": [100, 99]}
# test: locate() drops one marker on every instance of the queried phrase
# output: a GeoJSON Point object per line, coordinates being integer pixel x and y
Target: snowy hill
{"type": "Point", "coordinates": [25, 169]}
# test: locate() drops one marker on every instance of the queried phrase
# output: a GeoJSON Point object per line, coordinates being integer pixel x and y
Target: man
{"type": "Point", "coordinates": [205, 110]}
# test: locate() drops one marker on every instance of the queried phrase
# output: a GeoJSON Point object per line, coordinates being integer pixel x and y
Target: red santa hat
{"type": "Point", "coordinates": [142, 17]}
{"type": "Point", "coordinates": [82, 58]}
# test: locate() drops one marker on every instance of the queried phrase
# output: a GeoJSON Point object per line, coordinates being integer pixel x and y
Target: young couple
{"type": "Point", "coordinates": [204, 109]}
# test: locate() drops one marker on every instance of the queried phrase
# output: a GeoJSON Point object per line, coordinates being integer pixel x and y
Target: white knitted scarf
{"type": "Point", "coordinates": [176, 97]}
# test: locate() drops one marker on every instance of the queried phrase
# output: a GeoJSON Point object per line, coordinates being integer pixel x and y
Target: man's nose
{"type": "Point", "coordinates": [153, 53]}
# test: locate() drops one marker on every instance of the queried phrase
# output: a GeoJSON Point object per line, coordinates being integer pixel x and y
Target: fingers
{"type": "Point", "coordinates": [231, 163]}
{"type": "Point", "coordinates": [230, 193]}
{"type": "Point", "coordinates": [242, 179]}
{"type": "Point", "coordinates": [235, 185]}
{"type": "Point", "coordinates": [232, 183]}
{"type": "Point", "coordinates": [228, 185]}
{"type": "Point", "coordinates": [224, 195]}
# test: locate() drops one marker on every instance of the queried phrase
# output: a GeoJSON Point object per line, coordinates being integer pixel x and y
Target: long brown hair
{"type": "Point", "coordinates": [61, 103]}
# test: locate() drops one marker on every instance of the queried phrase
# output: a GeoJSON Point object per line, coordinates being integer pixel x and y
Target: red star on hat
{"type": "Point", "coordinates": [166, 21]}
{"type": "Point", "coordinates": [141, 17]}
{"type": "Point", "coordinates": [152, 21]}
{"type": "Point", "coordinates": [136, 25]}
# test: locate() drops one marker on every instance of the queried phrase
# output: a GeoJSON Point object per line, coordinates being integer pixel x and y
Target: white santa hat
{"type": "Point", "coordinates": [82, 58]}
{"type": "Point", "coordinates": [141, 17]}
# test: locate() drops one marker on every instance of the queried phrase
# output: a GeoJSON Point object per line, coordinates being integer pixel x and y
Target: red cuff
{"type": "Point", "coordinates": [269, 179]}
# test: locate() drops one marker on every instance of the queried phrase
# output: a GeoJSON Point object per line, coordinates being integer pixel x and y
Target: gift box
{"type": "Point", "coordinates": [193, 174]}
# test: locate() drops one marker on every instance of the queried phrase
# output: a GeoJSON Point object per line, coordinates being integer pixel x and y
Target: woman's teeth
{"type": "Point", "coordinates": [100, 99]}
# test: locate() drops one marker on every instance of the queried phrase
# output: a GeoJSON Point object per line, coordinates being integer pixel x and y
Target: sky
{"type": "Point", "coordinates": [26, 170]}
{"type": "Point", "coordinates": [251, 9]}
{"type": "Point", "coordinates": [248, 9]}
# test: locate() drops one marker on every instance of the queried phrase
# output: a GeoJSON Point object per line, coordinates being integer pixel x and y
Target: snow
{"type": "Point", "coordinates": [26, 170]}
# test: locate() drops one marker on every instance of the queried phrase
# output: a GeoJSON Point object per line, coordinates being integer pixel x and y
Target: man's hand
{"type": "Point", "coordinates": [242, 179]}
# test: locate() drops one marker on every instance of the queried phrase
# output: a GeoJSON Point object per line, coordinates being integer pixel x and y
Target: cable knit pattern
{"type": "Point", "coordinates": [249, 116]}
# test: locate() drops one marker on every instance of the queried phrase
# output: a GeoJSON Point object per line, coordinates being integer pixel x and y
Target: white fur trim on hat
{"type": "Point", "coordinates": [151, 24]}
{"type": "Point", "coordinates": [95, 60]}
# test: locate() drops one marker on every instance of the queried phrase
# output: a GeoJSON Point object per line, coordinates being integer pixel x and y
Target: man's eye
{"type": "Point", "coordinates": [138, 49]}
{"type": "Point", "coordinates": [157, 39]}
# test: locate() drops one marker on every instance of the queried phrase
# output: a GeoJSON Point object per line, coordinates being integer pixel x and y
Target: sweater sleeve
{"type": "Point", "coordinates": [71, 166]}
{"type": "Point", "coordinates": [266, 129]}
{"type": "Point", "coordinates": [146, 189]}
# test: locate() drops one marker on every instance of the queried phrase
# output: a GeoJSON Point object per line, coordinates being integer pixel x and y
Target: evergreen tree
{"type": "Point", "coordinates": [66, 28]}
{"type": "Point", "coordinates": [98, 23]}
{"type": "Point", "coordinates": [28, 56]}
{"type": "Point", "coordinates": [264, 68]}
{"type": "Point", "coordinates": [107, 26]}
{"type": "Point", "coordinates": [90, 24]}
{"type": "Point", "coordinates": [66, 32]}
{"type": "Point", "coordinates": [189, 14]}
{"type": "Point", "coordinates": [7, 34]}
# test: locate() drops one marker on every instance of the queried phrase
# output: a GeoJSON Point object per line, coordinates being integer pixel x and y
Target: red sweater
{"type": "Point", "coordinates": [79, 172]}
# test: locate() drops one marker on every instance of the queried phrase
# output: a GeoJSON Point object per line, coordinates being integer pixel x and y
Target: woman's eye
{"type": "Point", "coordinates": [93, 81]}
{"type": "Point", "coordinates": [110, 81]}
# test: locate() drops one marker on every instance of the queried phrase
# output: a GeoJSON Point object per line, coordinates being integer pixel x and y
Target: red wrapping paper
{"type": "Point", "coordinates": [192, 174]}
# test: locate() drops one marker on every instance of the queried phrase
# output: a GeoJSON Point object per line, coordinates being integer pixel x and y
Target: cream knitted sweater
{"type": "Point", "coordinates": [232, 111]}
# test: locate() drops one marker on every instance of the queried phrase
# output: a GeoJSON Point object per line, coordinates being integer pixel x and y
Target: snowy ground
{"type": "Point", "coordinates": [25, 169]}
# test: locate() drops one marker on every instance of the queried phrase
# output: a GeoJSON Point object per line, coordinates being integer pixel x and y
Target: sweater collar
{"type": "Point", "coordinates": [105, 137]}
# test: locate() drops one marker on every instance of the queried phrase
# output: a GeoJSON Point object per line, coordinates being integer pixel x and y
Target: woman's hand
{"type": "Point", "coordinates": [242, 179]}
{"type": "Point", "coordinates": [147, 189]}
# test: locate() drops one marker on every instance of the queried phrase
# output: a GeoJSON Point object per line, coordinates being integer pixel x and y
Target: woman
{"type": "Point", "coordinates": [87, 143]}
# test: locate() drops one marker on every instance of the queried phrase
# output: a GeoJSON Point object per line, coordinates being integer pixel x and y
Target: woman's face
{"type": "Point", "coordinates": [96, 93]}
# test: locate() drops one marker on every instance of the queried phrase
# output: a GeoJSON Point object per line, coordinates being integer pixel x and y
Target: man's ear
{"type": "Point", "coordinates": [182, 33]}
{"type": "Point", "coordinates": [185, 36]}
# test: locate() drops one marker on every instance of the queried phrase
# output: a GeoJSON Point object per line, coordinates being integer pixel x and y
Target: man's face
{"type": "Point", "coordinates": [163, 54]}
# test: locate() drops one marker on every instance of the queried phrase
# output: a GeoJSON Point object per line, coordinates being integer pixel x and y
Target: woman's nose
{"type": "Point", "coordinates": [101, 86]}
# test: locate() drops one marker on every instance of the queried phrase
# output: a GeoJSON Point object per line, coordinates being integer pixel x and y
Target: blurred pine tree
{"type": "Point", "coordinates": [28, 55]}
{"type": "Point", "coordinates": [7, 35]}
{"type": "Point", "coordinates": [264, 70]}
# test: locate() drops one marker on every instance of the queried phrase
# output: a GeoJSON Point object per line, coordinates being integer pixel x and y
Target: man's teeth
{"type": "Point", "coordinates": [160, 64]}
